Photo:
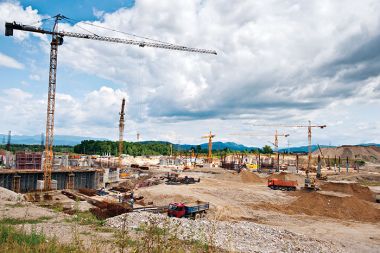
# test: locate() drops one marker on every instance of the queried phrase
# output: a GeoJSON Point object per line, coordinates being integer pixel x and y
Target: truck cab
{"type": "Point", "coordinates": [176, 210]}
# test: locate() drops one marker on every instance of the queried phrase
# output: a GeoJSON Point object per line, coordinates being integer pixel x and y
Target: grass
{"type": "Point", "coordinates": [12, 241]}
{"type": "Point", "coordinates": [85, 218]}
{"type": "Point", "coordinates": [18, 221]}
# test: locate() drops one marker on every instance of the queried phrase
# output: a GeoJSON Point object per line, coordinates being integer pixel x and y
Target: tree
{"type": "Point", "coordinates": [267, 150]}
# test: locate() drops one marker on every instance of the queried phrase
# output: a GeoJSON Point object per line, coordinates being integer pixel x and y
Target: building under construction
{"type": "Point", "coordinates": [28, 160]}
{"type": "Point", "coordinates": [27, 180]}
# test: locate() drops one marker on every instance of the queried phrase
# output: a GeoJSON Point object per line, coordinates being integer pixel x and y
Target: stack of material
{"type": "Point", "coordinates": [232, 236]}
{"type": "Point", "coordinates": [8, 195]}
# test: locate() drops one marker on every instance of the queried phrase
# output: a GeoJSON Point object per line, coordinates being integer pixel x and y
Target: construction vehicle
{"type": "Point", "coordinates": [174, 179]}
{"type": "Point", "coordinates": [57, 40]}
{"type": "Point", "coordinates": [284, 185]}
{"type": "Point", "coordinates": [181, 210]}
{"type": "Point", "coordinates": [310, 183]}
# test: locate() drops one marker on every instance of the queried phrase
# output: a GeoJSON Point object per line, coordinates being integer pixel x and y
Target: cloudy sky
{"type": "Point", "coordinates": [278, 62]}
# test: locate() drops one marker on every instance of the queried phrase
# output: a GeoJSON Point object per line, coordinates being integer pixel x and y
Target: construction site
{"type": "Point", "coordinates": [323, 200]}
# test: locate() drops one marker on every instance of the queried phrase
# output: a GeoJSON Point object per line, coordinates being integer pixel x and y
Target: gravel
{"type": "Point", "coordinates": [242, 236]}
{"type": "Point", "coordinates": [9, 195]}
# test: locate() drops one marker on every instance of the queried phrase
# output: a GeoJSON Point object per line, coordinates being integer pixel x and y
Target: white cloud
{"type": "Point", "coordinates": [93, 115]}
{"type": "Point", "coordinates": [12, 11]}
{"type": "Point", "coordinates": [9, 62]}
{"type": "Point", "coordinates": [278, 62]}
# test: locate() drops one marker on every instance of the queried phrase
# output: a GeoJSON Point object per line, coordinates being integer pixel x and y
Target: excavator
{"type": "Point", "coordinates": [310, 184]}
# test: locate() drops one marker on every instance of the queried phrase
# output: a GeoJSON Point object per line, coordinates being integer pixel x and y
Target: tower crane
{"type": "Point", "coordinates": [275, 143]}
{"type": "Point", "coordinates": [276, 135]}
{"type": "Point", "coordinates": [57, 40]}
{"type": "Point", "coordinates": [121, 131]}
{"type": "Point", "coordinates": [210, 136]}
{"type": "Point", "coordinates": [309, 127]}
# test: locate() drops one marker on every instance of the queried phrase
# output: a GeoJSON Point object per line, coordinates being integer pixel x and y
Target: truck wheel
{"type": "Point", "coordinates": [197, 216]}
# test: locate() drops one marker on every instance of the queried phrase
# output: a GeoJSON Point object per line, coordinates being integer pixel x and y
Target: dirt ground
{"type": "Point", "coordinates": [341, 214]}
{"type": "Point", "coordinates": [344, 212]}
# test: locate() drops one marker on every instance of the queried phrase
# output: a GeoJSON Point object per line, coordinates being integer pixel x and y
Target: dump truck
{"type": "Point", "coordinates": [284, 185]}
{"type": "Point", "coordinates": [194, 211]}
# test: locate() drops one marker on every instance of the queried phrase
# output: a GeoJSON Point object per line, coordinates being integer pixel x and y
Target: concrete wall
{"type": "Point", "coordinates": [28, 181]}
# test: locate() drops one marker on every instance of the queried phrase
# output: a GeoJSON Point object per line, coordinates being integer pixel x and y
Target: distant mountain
{"type": "Point", "coordinates": [302, 149]}
{"type": "Point", "coordinates": [369, 144]}
{"type": "Point", "coordinates": [68, 140]}
{"type": "Point", "coordinates": [216, 146]}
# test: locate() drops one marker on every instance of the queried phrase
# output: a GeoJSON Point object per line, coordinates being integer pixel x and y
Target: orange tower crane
{"type": "Point", "coordinates": [121, 131]}
{"type": "Point", "coordinates": [210, 136]}
{"type": "Point", "coordinates": [309, 127]}
{"type": "Point", "coordinates": [57, 40]}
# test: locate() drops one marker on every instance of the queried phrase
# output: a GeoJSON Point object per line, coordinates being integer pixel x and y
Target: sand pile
{"type": "Point", "coordinates": [321, 204]}
{"type": "Point", "coordinates": [250, 177]}
{"type": "Point", "coordinates": [281, 176]}
{"type": "Point", "coordinates": [351, 208]}
{"type": "Point", "coordinates": [361, 192]}
{"type": "Point", "coordinates": [9, 195]}
{"type": "Point", "coordinates": [165, 199]}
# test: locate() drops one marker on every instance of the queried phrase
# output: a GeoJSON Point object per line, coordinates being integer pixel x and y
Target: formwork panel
{"type": "Point", "coordinates": [28, 179]}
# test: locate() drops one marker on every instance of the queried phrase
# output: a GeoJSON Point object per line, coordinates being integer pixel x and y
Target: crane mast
{"type": "Point", "coordinates": [121, 131]}
{"type": "Point", "coordinates": [210, 136]}
{"type": "Point", "coordinates": [309, 127]}
{"type": "Point", "coordinates": [57, 40]}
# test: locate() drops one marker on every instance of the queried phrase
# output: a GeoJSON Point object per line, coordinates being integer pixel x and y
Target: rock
{"type": "Point", "coordinates": [9, 195]}
{"type": "Point", "coordinates": [239, 236]}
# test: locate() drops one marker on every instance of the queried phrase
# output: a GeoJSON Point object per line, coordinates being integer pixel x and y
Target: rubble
{"type": "Point", "coordinates": [9, 195]}
{"type": "Point", "coordinates": [242, 236]}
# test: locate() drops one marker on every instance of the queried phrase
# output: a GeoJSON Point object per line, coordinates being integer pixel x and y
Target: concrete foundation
{"type": "Point", "coordinates": [26, 180]}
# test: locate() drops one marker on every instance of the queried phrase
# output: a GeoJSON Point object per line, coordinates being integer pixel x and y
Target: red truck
{"type": "Point", "coordinates": [284, 185]}
{"type": "Point", "coordinates": [180, 210]}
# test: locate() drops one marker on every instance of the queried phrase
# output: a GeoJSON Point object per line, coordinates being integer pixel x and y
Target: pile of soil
{"type": "Point", "coordinates": [351, 208]}
{"type": "Point", "coordinates": [9, 195]}
{"type": "Point", "coordinates": [250, 177]}
{"type": "Point", "coordinates": [318, 204]}
{"type": "Point", "coordinates": [361, 192]}
{"type": "Point", "coordinates": [281, 176]}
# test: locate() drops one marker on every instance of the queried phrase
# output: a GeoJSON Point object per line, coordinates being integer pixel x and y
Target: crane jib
{"type": "Point", "coordinates": [9, 27]}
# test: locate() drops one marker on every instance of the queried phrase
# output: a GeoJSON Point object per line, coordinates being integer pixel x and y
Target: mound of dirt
{"type": "Point", "coordinates": [250, 177]}
{"type": "Point", "coordinates": [333, 206]}
{"type": "Point", "coordinates": [361, 192]}
{"type": "Point", "coordinates": [281, 176]}
{"type": "Point", "coordinates": [366, 153]}
{"type": "Point", "coordinates": [9, 195]}
{"type": "Point", "coordinates": [351, 208]}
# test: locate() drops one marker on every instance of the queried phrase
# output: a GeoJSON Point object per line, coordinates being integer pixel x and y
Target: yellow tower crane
{"type": "Point", "coordinates": [210, 136]}
{"type": "Point", "coordinates": [309, 127]}
{"type": "Point", "coordinates": [57, 40]}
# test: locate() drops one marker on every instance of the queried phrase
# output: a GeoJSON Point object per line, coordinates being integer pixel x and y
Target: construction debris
{"type": "Point", "coordinates": [236, 236]}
